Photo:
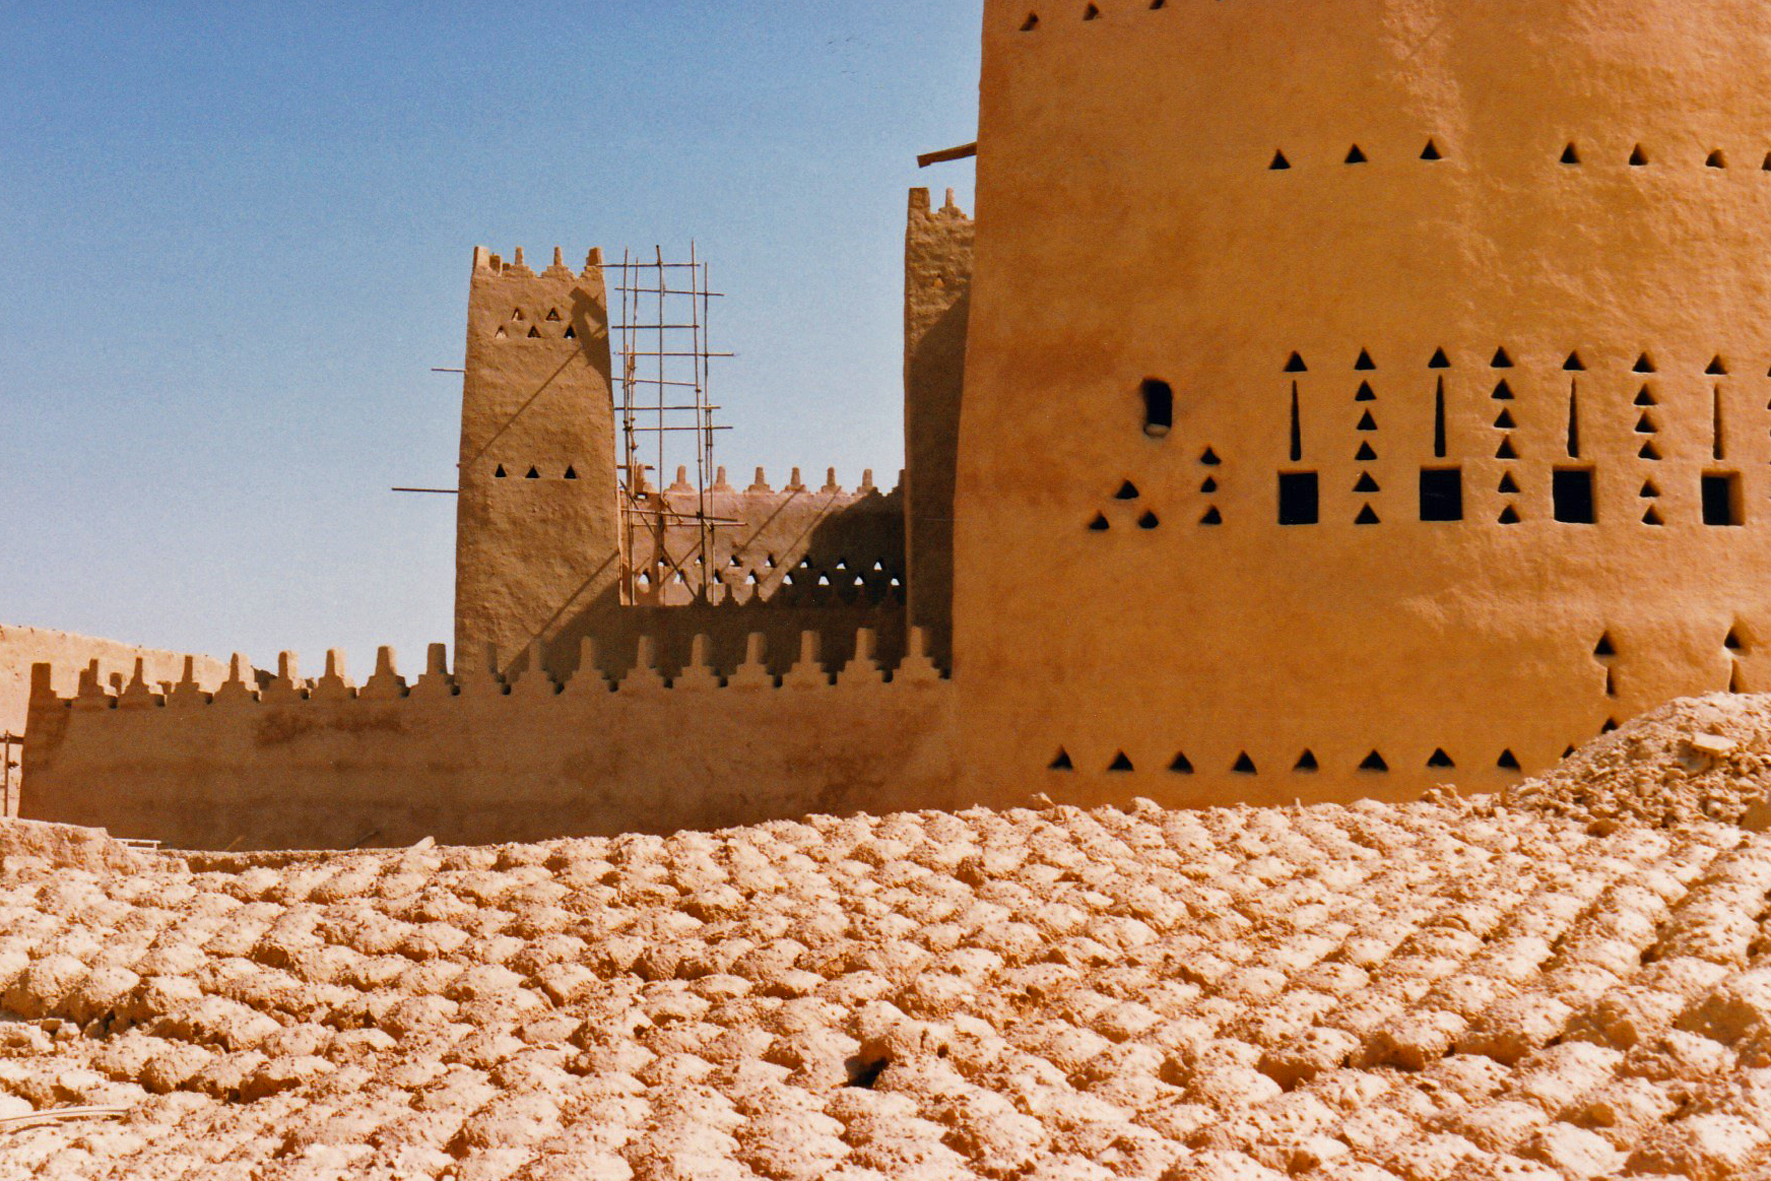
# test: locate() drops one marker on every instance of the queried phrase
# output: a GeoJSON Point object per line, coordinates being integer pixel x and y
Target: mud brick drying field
{"type": "Point", "coordinates": [1525, 988]}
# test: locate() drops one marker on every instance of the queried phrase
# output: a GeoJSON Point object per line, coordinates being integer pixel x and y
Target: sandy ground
{"type": "Point", "coordinates": [1572, 982]}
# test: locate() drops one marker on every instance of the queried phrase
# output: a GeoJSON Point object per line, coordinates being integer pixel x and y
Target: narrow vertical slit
{"type": "Point", "coordinates": [1718, 443]}
{"type": "Point", "coordinates": [1439, 422]}
{"type": "Point", "coordinates": [1574, 418]}
{"type": "Point", "coordinates": [1297, 429]}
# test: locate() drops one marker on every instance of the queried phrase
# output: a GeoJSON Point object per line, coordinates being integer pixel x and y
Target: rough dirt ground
{"type": "Point", "coordinates": [1523, 988]}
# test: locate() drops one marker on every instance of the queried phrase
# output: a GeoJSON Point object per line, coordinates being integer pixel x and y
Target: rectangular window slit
{"type": "Point", "coordinates": [1442, 494]}
{"type": "Point", "coordinates": [1571, 489]}
{"type": "Point", "coordinates": [1722, 501]}
{"type": "Point", "coordinates": [1299, 499]}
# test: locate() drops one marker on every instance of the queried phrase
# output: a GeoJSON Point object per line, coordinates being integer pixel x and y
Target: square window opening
{"type": "Point", "coordinates": [1442, 494]}
{"type": "Point", "coordinates": [1571, 489]}
{"type": "Point", "coordinates": [1299, 498]}
{"type": "Point", "coordinates": [1723, 503]}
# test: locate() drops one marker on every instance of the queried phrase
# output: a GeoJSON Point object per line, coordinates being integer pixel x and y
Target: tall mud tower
{"type": "Point", "coordinates": [1361, 394]}
{"type": "Point", "coordinates": [537, 541]}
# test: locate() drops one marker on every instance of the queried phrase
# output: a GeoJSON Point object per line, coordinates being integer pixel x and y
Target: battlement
{"type": "Point", "coordinates": [477, 756]}
{"type": "Point", "coordinates": [486, 262]}
{"type": "Point", "coordinates": [524, 678]}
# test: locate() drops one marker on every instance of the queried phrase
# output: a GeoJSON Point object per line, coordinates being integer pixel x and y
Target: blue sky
{"type": "Point", "coordinates": [239, 238]}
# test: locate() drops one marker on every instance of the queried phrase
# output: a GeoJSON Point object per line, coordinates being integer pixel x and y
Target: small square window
{"type": "Point", "coordinates": [1299, 498]}
{"type": "Point", "coordinates": [1722, 502]}
{"type": "Point", "coordinates": [1442, 494]}
{"type": "Point", "coordinates": [1572, 491]}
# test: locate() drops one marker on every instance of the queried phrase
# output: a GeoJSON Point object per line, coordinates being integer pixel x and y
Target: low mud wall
{"type": "Point", "coordinates": [483, 761]}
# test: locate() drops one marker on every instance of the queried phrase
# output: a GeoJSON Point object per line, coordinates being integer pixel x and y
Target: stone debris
{"type": "Point", "coordinates": [1460, 990]}
{"type": "Point", "coordinates": [1696, 758]}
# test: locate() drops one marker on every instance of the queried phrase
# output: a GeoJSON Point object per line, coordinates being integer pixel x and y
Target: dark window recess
{"type": "Point", "coordinates": [1722, 500]}
{"type": "Point", "coordinates": [1299, 498]}
{"type": "Point", "coordinates": [1571, 490]}
{"type": "Point", "coordinates": [1442, 494]}
{"type": "Point", "coordinates": [1159, 407]}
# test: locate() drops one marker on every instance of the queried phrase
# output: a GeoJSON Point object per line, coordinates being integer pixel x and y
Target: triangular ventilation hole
{"type": "Point", "coordinates": [1244, 765]}
{"type": "Point", "coordinates": [1210, 486]}
{"type": "Point", "coordinates": [1366, 517]}
{"type": "Point", "coordinates": [1503, 392]}
{"type": "Point", "coordinates": [1506, 451]}
{"type": "Point", "coordinates": [1307, 762]}
{"type": "Point", "coordinates": [1645, 425]}
{"type": "Point", "coordinates": [1120, 763]}
{"type": "Point", "coordinates": [1501, 360]}
{"type": "Point", "coordinates": [1604, 647]}
{"type": "Point", "coordinates": [1732, 643]}
{"type": "Point", "coordinates": [571, 333]}
{"type": "Point", "coordinates": [1062, 762]}
{"type": "Point", "coordinates": [1505, 421]}
{"type": "Point", "coordinates": [1609, 726]}
{"type": "Point", "coordinates": [1717, 368]}
{"type": "Point", "coordinates": [1648, 451]}
{"type": "Point", "coordinates": [1569, 753]}
{"type": "Point", "coordinates": [1355, 156]}
{"type": "Point", "coordinates": [1574, 364]}
{"type": "Point", "coordinates": [1148, 521]}
{"type": "Point", "coordinates": [1431, 152]}
{"type": "Point", "coordinates": [1508, 761]}
{"type": "Point", "coordinates": [1649, 491]}
{"type": "Point", "coordinates": [1366, 484]}
{"type": "Point", "coordinates": [517, 314]}
{"type": "Point", "coordinates": [1646, 397]}
{"type": "Point", "coordinates": [533, 475]}
{"type": "Point", "coordinates": [553, 316]}
{"type": "Point", "coordinates": [1440, 759]}
{"type": "Point", "coordinates": [1210, 458]}
{"type": "Point", "coordinates": [1030, 24]}
{"type": "Point", "coordinates": [1374, 762]}
{"type": "Point", "coordinates": [1100, 523]}
{"type": "Point", "coordinates": [1509, 515]}
{"type": "Point", "coordinates": [1508, 484]}
{"type": "Point", "coordinates": [1439, 361]}
{"type": "Point", "coordinates": [1364, 363]}
{"type": "Point", "coordinates": [1366, 454]}
{"type": "Point", "coordinates": [1716, 160]}
{"type": "Point", "coordinates": [1279, 164]}
{"type": "Point", "coordinates": [1182, 765]}
{"type": "Point", "coordinates": [1127, 491]}
{"type": "Point", "coordinates": [1368, 423]}
{"type": "Point", "coordinates": [501, 334]}
{"type": "Point", "coordinates": [1366, 393]}
{"type": "Point", "coordinates": [571, 473]}
{"type": "Point", "coordinates": [1296, 365]}
{"type": "Point", "coordinates": [1091, 13]}
{"type": "Point", "coordinates": [534, 334]}
{"type": "Point", "coordinates": [1644, 364]}
{"type": "Point", "coordinates": [1638, 157]}
{"type": "Point", "coordinates": [1570, 155]}
{"type": "Point", "coordinates": [1212, 517]}
{"type": "Point", "coordinates": [499, 474]}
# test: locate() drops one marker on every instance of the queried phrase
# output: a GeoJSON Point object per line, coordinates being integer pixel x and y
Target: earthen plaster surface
{"type": "Point", "coordinates": [1467, 989]}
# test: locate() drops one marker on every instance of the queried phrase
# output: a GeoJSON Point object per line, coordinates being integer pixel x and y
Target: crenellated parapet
{"type": "Point", "coordinates": [804, 544]}
{"type": "Point", "coordinates": [498, 748]}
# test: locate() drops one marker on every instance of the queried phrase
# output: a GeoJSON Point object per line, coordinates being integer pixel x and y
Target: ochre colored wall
{"type": "Point", "coordinates": [533, 553]}
{"type": "Point", "coordinates": [937, 286]}
{"type": "Point", "coordinates": [1130, 226]}
{"type": "Point", "coordinates": [338, 766]}
{"type": "Point", "coordinates": [69, 655]}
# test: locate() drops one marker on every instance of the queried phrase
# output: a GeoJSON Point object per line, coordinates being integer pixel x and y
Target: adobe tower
{"type": "Point", "coordinates": [537, 536]}
{"type": "Point", "coordinates": [1359, 395]}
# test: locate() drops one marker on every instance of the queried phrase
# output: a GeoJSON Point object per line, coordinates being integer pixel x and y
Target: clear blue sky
{"type": "Point", "coordinates": [238, 237]}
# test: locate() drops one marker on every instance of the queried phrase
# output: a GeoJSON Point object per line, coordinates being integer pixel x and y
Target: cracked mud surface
{"type": "Point", "coordinates": [1424, 991]}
